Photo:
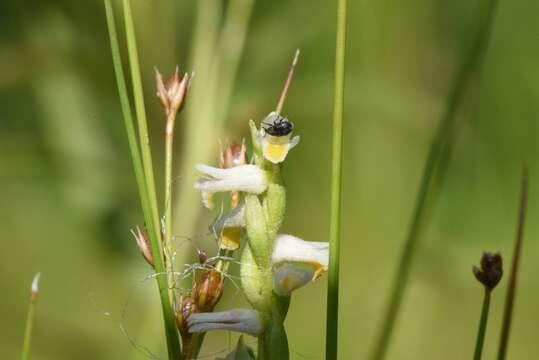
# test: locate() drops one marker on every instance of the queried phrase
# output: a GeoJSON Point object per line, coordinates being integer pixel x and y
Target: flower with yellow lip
{"type": "Point", "coordinates": [227, 227]}
{"type": "Point", "coordinates": [297, 262]}
{"type": "Point", "coordinates": [275, 137]}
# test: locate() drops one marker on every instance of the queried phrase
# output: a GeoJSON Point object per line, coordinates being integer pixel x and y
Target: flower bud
{"type": "Point", "coordinates": [491, 270]}
{"type": "Point", "coordinates": [208, 290]}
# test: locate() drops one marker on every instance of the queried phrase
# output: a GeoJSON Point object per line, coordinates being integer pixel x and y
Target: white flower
{"type": "Point", "coordinates": [247, 178]}
{"type": "Point", "coordinates": [241, 320]}
{"type": "Point", "coordinates": [297, 262]}
{"type": "Point", "coordinates": [275, 137]}
{"type": "Point", "coordinates": [233, 218]}
{"type": "Point", "coordinates": [227, 227]}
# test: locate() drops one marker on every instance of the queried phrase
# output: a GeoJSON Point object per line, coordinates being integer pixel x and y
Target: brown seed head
{"type": "Point", "coordinates": [233, 155]}
{"type": "Point", "coordinates": [491, 270]}
{"type": "Point", "coordinates": [172, 92]}
{"type": "Point", "coordinates": [208, 290]}
{"type": "Point", "coordinates": [143, 244]}
{"type": "Point", "coordinates": [185, 308]}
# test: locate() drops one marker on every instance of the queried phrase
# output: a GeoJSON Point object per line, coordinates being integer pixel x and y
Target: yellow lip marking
{"type": "Point", "coordinates": [276, 152]}
{"type": "Point", "coordinates": [230, 238]}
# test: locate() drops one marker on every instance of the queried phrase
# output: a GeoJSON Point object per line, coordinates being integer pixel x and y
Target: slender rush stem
{"type": "Point", "coordinates": [511, 289]}
{"type": "Point", "coordinates": [150, 216]}
{"type": "Point", "coordinates": [482, 325]}
{"type": "Point", "coordinates": [28, 331]}
{"type": "Point", "coordinates": [332, 321]}
{"type": "Point", "coordinates": [169, 150]}
{"type": "Point", "coordinates": [433, 170]}
{"type": "Point", "coordinates": [30, 318]}
{"type": "Point", "coordinates": [138, 95]}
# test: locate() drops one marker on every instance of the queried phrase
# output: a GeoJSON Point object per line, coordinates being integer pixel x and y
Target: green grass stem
{"type": "Point", "coordinates": [30, 318]}
{"type": "Point", "coordinates": [169, 155]}
{"type": "Point", "coordinates": [511, 288]}
{"type": "Point", "coordinates": [150, 214]}
{"type": "Point", "coordinates": [332, 322]}
{"type": "Point", "coordinates": [482, 325]}
{"type": "Point", "coordinates": [439, 149]}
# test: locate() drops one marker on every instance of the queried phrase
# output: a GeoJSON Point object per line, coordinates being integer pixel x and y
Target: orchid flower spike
{"type": "Point", "coordinates": [241, 320]}
{"type": "Point", "coordinates": [276, 139]}
{"type": "Point", "coordinates": [297, 262]}
{"type": "Point", "coordinates": [248, 178]}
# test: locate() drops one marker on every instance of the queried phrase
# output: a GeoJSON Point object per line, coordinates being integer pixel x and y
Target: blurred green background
{"type": "Point", "coordinates": [68, 195]}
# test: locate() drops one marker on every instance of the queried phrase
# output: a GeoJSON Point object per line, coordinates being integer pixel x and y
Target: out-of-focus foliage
{"type": "Point", "coordinates": [68, 196]}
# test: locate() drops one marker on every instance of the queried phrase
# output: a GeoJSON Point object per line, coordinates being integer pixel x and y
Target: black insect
{"type": "Point", "coordinates": [279, 127]}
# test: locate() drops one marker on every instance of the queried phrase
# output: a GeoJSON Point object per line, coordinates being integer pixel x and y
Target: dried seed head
{"type": "Point", "coordinates": [143, 244]}
{"type": "Point", "coordinates": [185, 308]}
{"type": "Point", "coordinates": [233, 155]}
{"type": "Point", "coordinates": [491, 270]}
{"type": "Point", "coordinates": [208, 290]}
{"type": "Point", "coordinates": [172, 92]}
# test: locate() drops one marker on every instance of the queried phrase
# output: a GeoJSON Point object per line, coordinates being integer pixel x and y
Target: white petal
{"type": "Point", "coordinates": [233, 218]}
{"type": "Point", "coordinates": [297, 262]}
{"type": "Point", "coordinates": [240, 320]}
{"type": "Point", "coordinates": [207, 200]}
{"type": "Point", "coordinates": [294, 141]}
{"type": "Point", "coordinates": [288, 277]}
{"type": "Point", "coordinates": [289, 248]}
{"type": "Point", "coordinates": [248, 178]}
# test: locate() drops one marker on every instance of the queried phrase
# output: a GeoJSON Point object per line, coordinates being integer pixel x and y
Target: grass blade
{"type": "Point", "coordinates": [30, 318]}
{"type": "Point", "coordinates": [439, 149]}
{"type": "Point", "coordinates": [511, 289]}
{"type": "Point", "coordinates": [332, 320]}
{"type": "Point", "coordinates": [150, 213]}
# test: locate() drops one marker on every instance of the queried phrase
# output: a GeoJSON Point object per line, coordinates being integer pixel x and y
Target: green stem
{"type": "Point", "coordinates": [150, 215]}
{"type": "Point", "coordinates": [440, 148]}
{"type": "Point", "coordinates": [169, 151]}
{"type": "Point", "coordinates": [28, 332]}
{"type": "Point", "coordinates": [138, 95]}
{"type": "Point", "coordinates": [511, 288]}
{"type": "Point", "coordinates": [332, 323]}
{"type": "Point", "coordinates": [482, 325]}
